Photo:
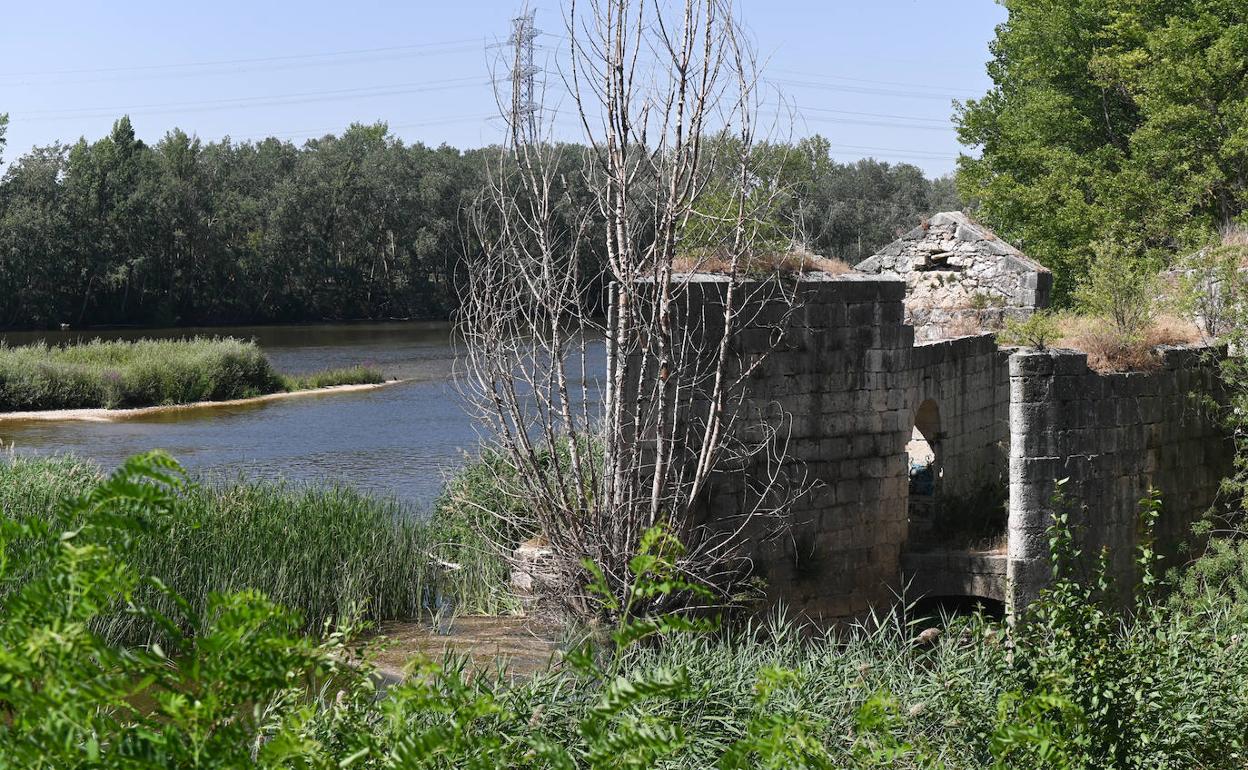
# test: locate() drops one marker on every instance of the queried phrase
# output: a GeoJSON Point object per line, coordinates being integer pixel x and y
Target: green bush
{"type": "Point", "coordinates": [1076, 684]}
{"type": "Point", "coordinates": [1121, 289]}
{"type": "Point", "coordinates": [1212, 287]}
{"type": "Point", "coordinates": [351, 375]}
{"type": "Point", "coordinates": [227, 695]}
{"type": "Point", "coordinates": [1037, 330]}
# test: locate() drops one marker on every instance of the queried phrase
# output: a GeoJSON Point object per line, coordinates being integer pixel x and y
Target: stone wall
{"type": "Point", "coordinates": [849, 374]}
{"type": "Point", "coordinates": [1113, 436]}
{"type": "Point", "coordinates": [846, 383]}
{"type": "Point", "coordinates": [842, 374]}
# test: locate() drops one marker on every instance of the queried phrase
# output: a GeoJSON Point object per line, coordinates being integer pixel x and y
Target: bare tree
{"type": "Point", "coordinates": [610, 427]}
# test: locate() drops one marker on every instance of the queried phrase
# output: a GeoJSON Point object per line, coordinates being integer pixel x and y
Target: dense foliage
{"type": "Point", "coordinates": [1111, 120]}
{"type": "Point", "coordinates": [362, 225]}
{"type": "Point", "coordinates": [122, 374]}
{"type": "Point", "coordinates": [117, 231]}
{"type": "Point", "coordinates": [234, 683]}
{"type": "Point", "coordinates": [330, 553]}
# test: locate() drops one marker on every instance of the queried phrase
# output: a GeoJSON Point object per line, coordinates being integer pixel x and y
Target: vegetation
{"type": "Point", "coordinates": [1109, 119]}
{"type": "Point", "coordinates": [1210, 287]}
{"type": "Point", "coordinates": [361, 225]}
{"type": "Point", "coordinates": [1078, 685]}
{"type": "Point", "coordinates": [332, 554]}
{"type": "Point", "coordinates": [1037, 330]}
{"type": "Point", "coordinates": [1122, 290]}
{"type": "Point", "coordinates": [1125, 310]}
{"type": "Point", "coordinates": [120, 374]}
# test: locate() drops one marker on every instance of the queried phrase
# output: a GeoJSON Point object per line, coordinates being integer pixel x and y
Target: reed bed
{"type": "Point", "coordinates": [331, 553]}
{"type": "Point", "coordinates": [126, 374]}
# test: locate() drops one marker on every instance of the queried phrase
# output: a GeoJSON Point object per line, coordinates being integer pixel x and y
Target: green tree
{"type": "Point", "coordinates": [1110, 119]}
{"type": "Point", "coordinates": [357, 225]}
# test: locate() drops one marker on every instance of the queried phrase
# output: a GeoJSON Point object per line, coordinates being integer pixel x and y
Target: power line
{"type": "Point", "coordinates": [944, 121]}
{"type": "Point", "coordinates": [250, 60]}
{"type": "Point", "coordinates": [265, 68]}
{"type": "Point", "coordinates": [834, 76]}
{"type": "Point", "coordinates": [876, 123]}
{"type": "Point", "coordinates": [917, 153]}
{"type": "Point", "coordinates": [389, 125]}
{"type": "Point", "coordinates": [252, 101]}
{"type": "Point", "coordinates": [870, 91]}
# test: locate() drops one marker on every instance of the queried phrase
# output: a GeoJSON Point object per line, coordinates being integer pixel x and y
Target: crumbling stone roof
{"type": "Point", "coordinates": [949, 240]}
{"type": "Point", "coordinates": [960, 277]}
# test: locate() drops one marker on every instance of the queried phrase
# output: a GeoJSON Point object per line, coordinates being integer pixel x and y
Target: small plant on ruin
{"type": "Point", "coordinates": [1121, 289]}
{"type": "Point", "coordinates": [983, 301]}
{"type": "Point", "coordinates": [1036, 331]}
{"type": "Point", "coordinates": [1121, 293]}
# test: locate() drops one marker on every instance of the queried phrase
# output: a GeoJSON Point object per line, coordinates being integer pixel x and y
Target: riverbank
{"type": "Point", "coordinates": [128, 375]}
{"type": "Point", "coordinates": [114, 415]}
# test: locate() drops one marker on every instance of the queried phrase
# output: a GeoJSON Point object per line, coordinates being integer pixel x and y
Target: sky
{"type": "Point", "coordinates": [876, 78]}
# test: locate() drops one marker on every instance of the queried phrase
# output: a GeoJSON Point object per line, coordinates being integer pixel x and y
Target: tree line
{"type": "Point", "coordinates": [355, 226]}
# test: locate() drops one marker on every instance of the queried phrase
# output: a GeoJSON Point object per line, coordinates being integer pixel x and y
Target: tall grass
{"type": "Point", "coordinates": [120, 374]}
{"type": "Point", "coordinates": [350, 375]}
{"type": "Point", "coordinates": [329, 552]}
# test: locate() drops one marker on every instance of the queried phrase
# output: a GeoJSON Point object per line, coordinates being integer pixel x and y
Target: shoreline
{"type": "Point", "coordinates": [102, 414]}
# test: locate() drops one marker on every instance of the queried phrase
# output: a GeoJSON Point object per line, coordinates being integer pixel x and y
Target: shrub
{"type": "Point", "coordinates": [1122, 289]}
{"type": "Point", "coordinates": [352, 375]}
{"type": "Point", "coordinates": [1212, 285]}
{"type": "Point", "coordinates": [1077, 684]}
{"type": "Point", "coordinates": [226, 695]}
{"type": "Point", "coordinates": [1037, 330]}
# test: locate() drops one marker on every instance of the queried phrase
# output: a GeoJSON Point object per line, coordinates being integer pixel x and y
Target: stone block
{"type": "Point", "coordinates": [1068, 362]}
{"type": "Point", "coordinates": [1031, 364]}
{"type": "Point", "coordinates": [861, 314]}
{"type": "Point", "coordinates": [1037, 470]}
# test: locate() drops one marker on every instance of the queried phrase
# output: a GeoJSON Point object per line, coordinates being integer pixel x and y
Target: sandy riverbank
{"type": "Point", "coordinates": [113, 415]}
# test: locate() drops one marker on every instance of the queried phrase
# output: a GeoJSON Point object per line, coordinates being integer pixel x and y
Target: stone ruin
{"type": "Point", "coordinates": [935, 458]}
{"type": "Point", "coordinates": [960, 277]}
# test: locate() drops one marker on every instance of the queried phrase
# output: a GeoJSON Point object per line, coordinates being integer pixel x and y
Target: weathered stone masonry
{"type": "Point", "coordinates": [852, 379]}
{"type": "Point", "coordinates": [959, 276]}
{"type": "Point", "coordinates": [1113, 437]}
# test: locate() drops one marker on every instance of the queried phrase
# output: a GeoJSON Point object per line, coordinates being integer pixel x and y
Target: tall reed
{"type": "Point", "coordinates": [329, 552]}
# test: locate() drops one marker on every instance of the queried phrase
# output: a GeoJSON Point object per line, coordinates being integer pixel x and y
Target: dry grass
{"type": "Point", "coordinates": [1110, 352]}
{"type": "Point", "coordinates": [969, 323]}
{"type": "Point", "coordinates": [788, 263]}
{"type": "Point", "coordinates": [1236, 235]}
{"type": "Point", "coordinates": [1235, 239]}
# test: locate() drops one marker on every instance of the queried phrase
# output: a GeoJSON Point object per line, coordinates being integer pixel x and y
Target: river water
{"type": "Point", "coordinates": [401, 440]}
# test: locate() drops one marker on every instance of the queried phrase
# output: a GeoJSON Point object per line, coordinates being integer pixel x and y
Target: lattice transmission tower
{"type": "Point", "coordinates": [524, 104]}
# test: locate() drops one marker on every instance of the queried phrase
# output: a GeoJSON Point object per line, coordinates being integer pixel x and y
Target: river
{"type": "Point", "coordinates": [402, 440]}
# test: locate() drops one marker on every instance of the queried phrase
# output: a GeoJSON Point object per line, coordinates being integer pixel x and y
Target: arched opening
{"type": "Point", "coordinates": [925, 472]}
{"type": "Point", "coordinates": [946, 509]}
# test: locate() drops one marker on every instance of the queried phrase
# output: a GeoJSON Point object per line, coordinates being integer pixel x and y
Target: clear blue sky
{"type": "Point", "coordinates": [876, 78]}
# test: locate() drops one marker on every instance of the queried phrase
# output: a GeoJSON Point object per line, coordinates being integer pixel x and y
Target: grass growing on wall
{"type": "Point", "coordinates": [328, 552]}
{"type": "Point", "coordinates": [122, 374]}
